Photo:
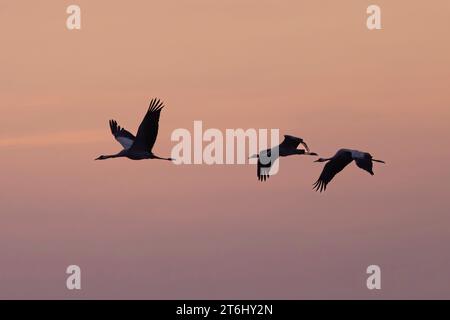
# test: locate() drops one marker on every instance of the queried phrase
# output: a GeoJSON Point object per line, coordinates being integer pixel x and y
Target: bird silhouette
{"type": "Point", "coordinates": [288, 147]}
{"type": "Point", "coordinates": [139, 147]}
{"type": "Point", "coordinates": [339, 161]}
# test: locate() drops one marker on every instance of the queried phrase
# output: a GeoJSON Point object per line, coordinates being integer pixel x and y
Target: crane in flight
{"type": "Point", "coordinates": [339, 161]}
{"type": "Point", "coordinates": [139, 147]}
{"type": "Point", "coordinates": [288, 147]}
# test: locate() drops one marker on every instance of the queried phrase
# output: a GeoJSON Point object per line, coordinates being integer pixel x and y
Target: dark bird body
{"type": "Point", "coordinates": [139, 147]}
{"type": "Point", "coordinates": [339, 161]}
{"type": "Point", "coordinates": [288, 147]}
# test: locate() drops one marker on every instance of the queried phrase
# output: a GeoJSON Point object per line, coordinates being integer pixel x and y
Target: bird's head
{"type": "Point", "coordinates": [321, 160]}
{"type": "Point", "coordinates": [101, 158]}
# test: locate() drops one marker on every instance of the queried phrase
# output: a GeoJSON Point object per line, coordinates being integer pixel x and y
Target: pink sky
{"type": "Point", "coordinates": [150, 229]}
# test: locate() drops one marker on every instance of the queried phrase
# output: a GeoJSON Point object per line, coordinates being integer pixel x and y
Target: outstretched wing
{"type": "Point", "coordinates": [124, 137]}
{"type": "Point", "coordinates": [291, 142]}
{"type": "Point", "coordinates": [333, 167]}
{"type": "Point", "coordinates": [148, 130]}
{"type": "Point", "coordinates": [265, 161]}
{"type": "Point", "coordinates": [365, 164]}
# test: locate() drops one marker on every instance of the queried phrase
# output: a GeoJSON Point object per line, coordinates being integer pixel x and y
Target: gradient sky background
{"type": "Point", "coordinates": [150, 229]}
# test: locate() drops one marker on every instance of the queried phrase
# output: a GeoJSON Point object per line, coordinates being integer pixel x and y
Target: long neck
{"type": "Point", "coordinates": [112, 156]}
{"type": "Point", "coordinates": [108, 156]}
{"type": "Point", "coordinates": [156, 157]}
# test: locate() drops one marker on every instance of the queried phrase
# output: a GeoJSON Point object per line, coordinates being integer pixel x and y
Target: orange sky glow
{"type": "Point", "coordinates": [154, 230]}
